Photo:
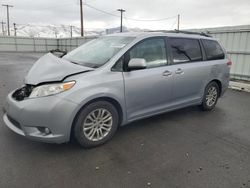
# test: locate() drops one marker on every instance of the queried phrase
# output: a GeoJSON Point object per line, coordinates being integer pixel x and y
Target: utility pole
{"type": "Point", "coordinates": [2, 22]}
{"type": "Point", "coordinates": [178, 22]}
{"type": "Point", "coordinates": [81, 13]}
{"type": "Point", "coordinates": [71, 31]}
{"type": "Point", "coordinates": [121, 10]}
{"type": "Point", "coordinates": [8, 19]}
{"type": "Point", "coordinates": [14, 24]}
{"type": "Point", "coordinates": [56, 33]}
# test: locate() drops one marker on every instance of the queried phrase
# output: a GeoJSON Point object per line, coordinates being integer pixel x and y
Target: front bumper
{"type": "Point", "coordinates": [27, 116]}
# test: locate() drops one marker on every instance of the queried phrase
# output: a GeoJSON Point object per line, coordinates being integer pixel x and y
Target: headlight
{"type": "Point", "coordinates": [51, 89]}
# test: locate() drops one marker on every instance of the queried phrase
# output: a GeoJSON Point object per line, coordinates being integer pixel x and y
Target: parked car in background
{"type": "Point", "coordinates": [114, 80]}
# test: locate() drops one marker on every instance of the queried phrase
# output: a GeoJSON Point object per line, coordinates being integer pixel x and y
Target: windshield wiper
{"type": "Point", "coordinates": [74, 62]}
{"type": "Point", "coordinates": [85, 64]}
{"type": "Point", "coordinates": [95, 66]}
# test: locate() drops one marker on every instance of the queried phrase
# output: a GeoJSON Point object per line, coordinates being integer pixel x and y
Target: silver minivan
{"type": "Point", "coordinates": [114, 80]}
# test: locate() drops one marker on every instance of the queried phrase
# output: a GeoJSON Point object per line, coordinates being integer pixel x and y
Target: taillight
{"type": "Point", "coordinates": [229, 63]}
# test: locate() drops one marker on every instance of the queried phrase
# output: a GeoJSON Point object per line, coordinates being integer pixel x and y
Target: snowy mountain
{"type": "Point", "coordinates": [62, 31]}
{"type": "Point", "coordinates": [53, 31]}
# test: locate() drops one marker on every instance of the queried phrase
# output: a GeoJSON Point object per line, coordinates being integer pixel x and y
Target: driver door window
{"type": "Point", "coordinates": [152, 50]}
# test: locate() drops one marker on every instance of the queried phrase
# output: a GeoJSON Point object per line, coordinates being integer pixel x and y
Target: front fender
{"type": "Point", "coordinates": [83, 96]}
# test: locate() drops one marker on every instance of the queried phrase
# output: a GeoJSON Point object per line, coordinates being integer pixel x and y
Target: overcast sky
{"type": "Point", "coordinates": [194, 13]}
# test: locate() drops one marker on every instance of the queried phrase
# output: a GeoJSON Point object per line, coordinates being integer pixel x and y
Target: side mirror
{"type": "Point", "coordinates": [58, 53]}
{"type": "Point", "coordinates": [137, 63]}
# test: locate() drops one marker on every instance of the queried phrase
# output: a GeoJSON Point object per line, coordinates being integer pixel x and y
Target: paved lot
{"type": "Point", "coordinates": [186, 148]}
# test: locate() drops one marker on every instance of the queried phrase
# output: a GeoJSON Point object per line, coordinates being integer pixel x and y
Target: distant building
{"type": "Point", "coordinates": [116, 30]}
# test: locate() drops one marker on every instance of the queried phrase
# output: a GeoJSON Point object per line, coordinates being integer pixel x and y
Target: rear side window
{"type": "Point", "coordinates": [185, 50]}
{"type": "Point", "coordinates": [213, 50]}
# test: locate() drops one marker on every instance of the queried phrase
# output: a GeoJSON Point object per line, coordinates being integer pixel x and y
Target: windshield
{"type": "Point", "coordinates": [97, 52]}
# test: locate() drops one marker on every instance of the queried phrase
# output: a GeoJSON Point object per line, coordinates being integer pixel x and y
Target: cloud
{"type": "Point", "coordinates": [194, 13]}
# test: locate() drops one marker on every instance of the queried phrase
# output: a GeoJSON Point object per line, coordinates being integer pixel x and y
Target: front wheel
{"type": "Point", "coordinates": [96, 124]}
{"type": "Point", "coordinates": [210, 97]}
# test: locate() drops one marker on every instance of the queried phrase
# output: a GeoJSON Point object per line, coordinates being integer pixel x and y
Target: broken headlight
{"type": "Point", "coordinates": [51, 89]}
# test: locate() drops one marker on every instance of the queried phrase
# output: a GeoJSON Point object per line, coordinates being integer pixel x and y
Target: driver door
{"type": "Point", "coordinates": [148, 91]}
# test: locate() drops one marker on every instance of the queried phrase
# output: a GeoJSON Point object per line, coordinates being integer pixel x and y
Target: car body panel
{"type": "Point", "coordinates": [140, 93]}
{"type": "Point", "coordinates": [52, 112]}
{"type": "Point", "coordinates": [51, 68]}
{"type": "Point", "coordinates": [91, 86]}
{"type": "Point", "coordinates": [147, 92]}
{"type": "Point", "coordinates": [189, 85]}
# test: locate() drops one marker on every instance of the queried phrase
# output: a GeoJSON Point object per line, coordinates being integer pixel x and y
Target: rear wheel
{"type": "Point", "coordinates": [210, 97]}
{"type": "Point", "coordinates": [96, 124]}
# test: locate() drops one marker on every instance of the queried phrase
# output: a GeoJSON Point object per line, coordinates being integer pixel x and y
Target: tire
{"type": "Point", "coordinates": [210, 96]}
{"type": "Point", "coordinates": [101, 118]}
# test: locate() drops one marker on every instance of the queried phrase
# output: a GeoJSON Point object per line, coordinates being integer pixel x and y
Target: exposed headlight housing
{"type": "Point", "coordinates": [51, 89]}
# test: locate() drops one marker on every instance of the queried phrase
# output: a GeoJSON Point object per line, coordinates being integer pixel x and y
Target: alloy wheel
{"type": "Point", "coordinates": [211, 96]}
{"type": "Point", "coordinates": [97, 124]}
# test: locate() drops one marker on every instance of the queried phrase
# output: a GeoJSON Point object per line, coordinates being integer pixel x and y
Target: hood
{"type": "Point", "coordinates": [50, 68]}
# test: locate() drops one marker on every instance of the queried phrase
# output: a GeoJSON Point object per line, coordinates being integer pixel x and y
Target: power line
{"type": "Point", "coordinates": [170, 26]}
{"type": "Point", "coordinates": [173, 24]}
{"type": "Point", "coordinates": [133, 19]}
{"type": "Point", "coordinates": [105, 12]}
{"type": "Point", "coordinates": [153, 20]}
{"type": "Point", "coordinates": [127, 24]}
{"type": "Point", "coordinates": [8, 19]}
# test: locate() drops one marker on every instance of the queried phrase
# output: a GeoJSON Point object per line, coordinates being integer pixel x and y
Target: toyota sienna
{"type": "Point", "coordinates": [114, 80]}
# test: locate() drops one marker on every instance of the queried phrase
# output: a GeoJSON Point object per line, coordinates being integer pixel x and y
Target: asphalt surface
{"type": "Point", "coordinates": [185, 148]}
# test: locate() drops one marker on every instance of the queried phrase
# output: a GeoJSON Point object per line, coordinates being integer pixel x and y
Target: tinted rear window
{"type": "Point", "coordinates": [185, 50]}
{"type": "Point", "coordinates": [213, 50]}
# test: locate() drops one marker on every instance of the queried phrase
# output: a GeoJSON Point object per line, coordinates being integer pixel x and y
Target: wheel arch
{"type": "Point", "coordinates": [113, 101]}
{"type": "Point", "coordinates": [218, 82]}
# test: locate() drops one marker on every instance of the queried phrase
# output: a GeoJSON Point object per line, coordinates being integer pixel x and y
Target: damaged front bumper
{"type": "Point", "coordinates": [46, 119]}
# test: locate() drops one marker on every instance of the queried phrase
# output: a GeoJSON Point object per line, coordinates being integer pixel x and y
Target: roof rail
{"type": "Point", "coordinates": [182, 31]}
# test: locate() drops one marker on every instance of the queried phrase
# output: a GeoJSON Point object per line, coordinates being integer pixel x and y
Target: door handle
{"type": "Point", "coordinates": [166, 73]}
{"type": "Point", "coordinates": [179, 71]}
